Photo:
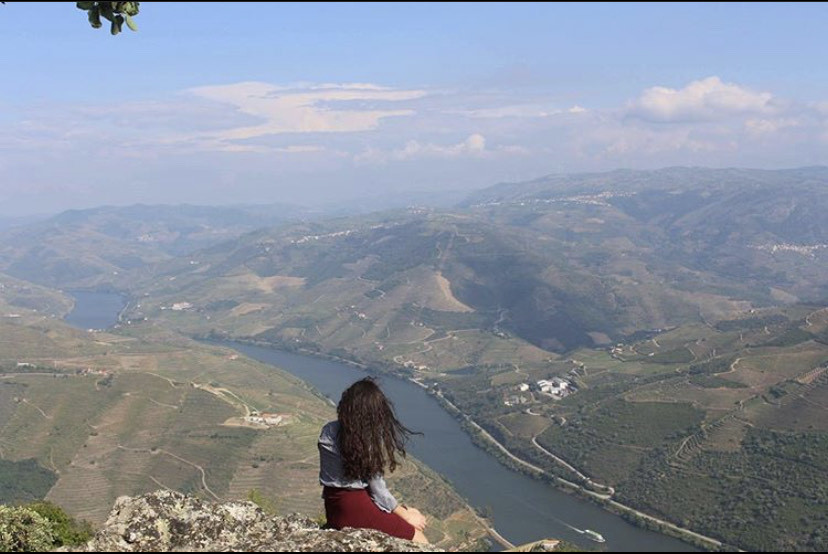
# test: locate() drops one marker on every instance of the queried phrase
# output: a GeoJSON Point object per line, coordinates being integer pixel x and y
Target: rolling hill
{"type": "Point", "coordinates": [685, 304]}
{"type": "Point", "coordinates": [86, 417]}
{"type": "Point", "coordinates": [556, 265]}
{"type": "Point", "coordinates": [719, 428]}
{"type": "Point", "coordinates": [95, 247]}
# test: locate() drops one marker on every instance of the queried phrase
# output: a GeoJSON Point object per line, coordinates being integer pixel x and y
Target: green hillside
{"type": "Point", "coordinates": [731, 443]}
{"type": "Point", "coordinates": [86, 417]}
{"type": "Point", "coordinates": [684, 306]}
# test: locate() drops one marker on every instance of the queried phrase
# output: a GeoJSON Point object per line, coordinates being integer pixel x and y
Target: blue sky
{"type": "Point", "coordinates": [315, 103]}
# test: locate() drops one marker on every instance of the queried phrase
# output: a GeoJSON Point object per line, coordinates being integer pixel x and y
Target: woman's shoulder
{"type": "Point", "coordinates": [329, 431]}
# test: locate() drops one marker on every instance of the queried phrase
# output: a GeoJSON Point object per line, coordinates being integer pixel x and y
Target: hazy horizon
{"type": "Point", "coordinates": [384, 200]}
{"type": "Point", "coordinates": [314, 104]}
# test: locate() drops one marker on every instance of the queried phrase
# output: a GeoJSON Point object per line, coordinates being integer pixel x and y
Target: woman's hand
{"type": "Point", "coordinates": [413, 516]}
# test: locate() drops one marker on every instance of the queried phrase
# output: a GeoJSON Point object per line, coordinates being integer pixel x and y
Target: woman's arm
{"type": "Point", "coordinates": [386, 502]}
{"type": "Point", "coordinates": [380, 494]}
{"type": "Point", "coordinates": [383, 498]}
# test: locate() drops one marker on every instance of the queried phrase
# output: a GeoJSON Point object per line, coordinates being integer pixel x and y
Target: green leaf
{"type": "Point", "coordinates": [95, 17]}
{"type": "Point", "coordinates": [129, 8]}
{"type": "Point", "coordinates": [117, 13]}
{"type": "Point", "coordinates": [117, 24]}
{"type": "Point", "coordinates": [106, 10]}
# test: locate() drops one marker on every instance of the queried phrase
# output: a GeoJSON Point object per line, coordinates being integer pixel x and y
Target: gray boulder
{"type": "Point", "coordinates": [166, 521]}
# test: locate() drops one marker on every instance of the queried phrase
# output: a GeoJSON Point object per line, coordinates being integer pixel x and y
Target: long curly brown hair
{"type": "Point", "coordinates": [370, 436]}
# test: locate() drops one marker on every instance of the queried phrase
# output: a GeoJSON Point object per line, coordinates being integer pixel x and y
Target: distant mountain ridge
{"type": "Point", "coordinates": [686, 306]}
{"type": "Point", "coordinates": [557, 261]}
{"type": "Point", "coordinates": [93, 247]}
{"type": "Point", "coordinates": [634, 180]}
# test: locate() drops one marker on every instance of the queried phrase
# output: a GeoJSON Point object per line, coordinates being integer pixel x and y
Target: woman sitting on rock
{"type": "Point", "coordinates": [354, 451]}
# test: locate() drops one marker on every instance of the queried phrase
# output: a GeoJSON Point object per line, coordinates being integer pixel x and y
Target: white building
{"type": "Point", "coordinates": [556, 385]}
{"type": "Point", "coordinates": [264, 419]}
{"type": "Point", "coordinates": [514, 399]}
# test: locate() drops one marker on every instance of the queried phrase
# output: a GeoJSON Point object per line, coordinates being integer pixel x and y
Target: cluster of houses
{"type": "Point", "coordinates": [617, 349]}
{"type": "Point", "coordinates": [357, 313]}
{"type": "Point", "coordinates": [53, 368]}
{"type": "Point", "coordinates": [556, 388]}
{"type": "Point", "coordinates": [178, 307]}
{"type": "Point", "coordinates": [411, 364]}
{"type": "Point", "coordinates": [90, 371]}
{"type": "Point", "coordinates": [265, 418]}
{"type": "Point", "coordinates": [516, 400]}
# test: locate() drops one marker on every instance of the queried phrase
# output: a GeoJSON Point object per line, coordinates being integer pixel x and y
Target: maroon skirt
{"type": "Point", "coordinates": [354, 508]}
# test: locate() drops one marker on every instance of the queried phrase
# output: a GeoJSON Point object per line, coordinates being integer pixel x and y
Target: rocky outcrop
{"type": "Point", "coordinates": [168, 521]}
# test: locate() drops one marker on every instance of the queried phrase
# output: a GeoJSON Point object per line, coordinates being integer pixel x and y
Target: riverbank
{"type": "Point", "coordinates": [521, 510]}
{"type": "Point", "coordinates": [604, 500]}
{"type": "Point", "coordinates": [486, 441]}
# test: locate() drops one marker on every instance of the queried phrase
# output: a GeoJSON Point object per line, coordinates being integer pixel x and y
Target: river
{"type": "Point", "coordinates": [523, 509]}
{"type": "Point", "coordinates": [95, 310]}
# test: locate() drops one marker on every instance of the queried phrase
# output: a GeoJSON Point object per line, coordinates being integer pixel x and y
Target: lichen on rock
{"type": "Point", "coordinates": [167, 521]}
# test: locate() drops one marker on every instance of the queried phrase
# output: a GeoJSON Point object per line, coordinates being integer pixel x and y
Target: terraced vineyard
{"type": "Point", "coordinates": [686, 307]}
{"type": "Point", "coordinates": [143, 410]}
{"type": "Point", "coordinates": [747, 443]}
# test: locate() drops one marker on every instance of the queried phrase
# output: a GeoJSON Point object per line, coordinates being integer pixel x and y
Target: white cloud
{"type": "Point", "coordinates": [706, 99]}
{"type": "Point", "coordinates": [308, 109]}
{"type": "Point", "coordinates": [474, 145]}
{"type": "Point", "coordinates": [518, 110]}
{"type": "Point", "coordinates": [769, 126]}
{"type": "Point", "coordinates": [643, 141]}
{"type": "Point", "coordinates": [258, 149]}
{"type": "Point", "coordinates": [345, 135]}
{"type": "Point", "coordinates": [515, 149]}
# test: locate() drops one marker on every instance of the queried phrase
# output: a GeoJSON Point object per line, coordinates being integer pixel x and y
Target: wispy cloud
{"type": "Point", "coordinates": [329, 108]}
{"type": "Point", "coordinates": [519, 111]}
{"type": "Point", "coordinates": [342, 135]}
{"type": "Point", "coordinates": [473, 145]}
